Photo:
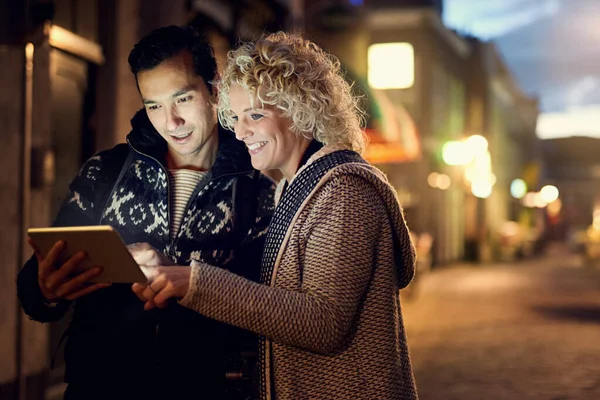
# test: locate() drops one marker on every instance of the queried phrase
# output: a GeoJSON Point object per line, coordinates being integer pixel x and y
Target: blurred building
{"type": "Point", "coordinates": [500, 111]}
{"type": "Point", "coordinates": [427, 86]}
{"type": "Point", "coordinates": [572, 165]}
{"type": "Point", "coordinates": [68, 93]}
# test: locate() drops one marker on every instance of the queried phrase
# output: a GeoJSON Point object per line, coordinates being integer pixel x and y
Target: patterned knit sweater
{"type": "Point", "coordinates": [332, 315]}
{"type": "Point", "coordinates": [113, 344]}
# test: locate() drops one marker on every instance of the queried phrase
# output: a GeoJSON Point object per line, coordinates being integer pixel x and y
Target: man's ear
{"type": "Point", "coordinates": [213, 87]}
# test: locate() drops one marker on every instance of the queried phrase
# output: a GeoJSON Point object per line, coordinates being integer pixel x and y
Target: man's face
{"type": "Point", "coordinates": [178, 104]}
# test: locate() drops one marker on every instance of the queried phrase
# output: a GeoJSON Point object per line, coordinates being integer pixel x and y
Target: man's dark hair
{"type": "Point", "coordinates": [164, 43]}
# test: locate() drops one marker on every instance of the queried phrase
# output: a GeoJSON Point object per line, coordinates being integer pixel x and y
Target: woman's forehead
{"type": "Point", "coordinates": [248, 99]}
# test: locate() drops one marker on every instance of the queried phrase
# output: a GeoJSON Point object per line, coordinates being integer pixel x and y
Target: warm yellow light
{"type": "Point", "coordinates": [509, 228]}
{"type": "Point", "coordinates": [29, 50]}
{"type": "Point", "coordinates": [391, 65]}
{"type": "Point", "coordinates": [456, 153]}
{"type": "Point", "coordinates": [443, 181]}
{"type": "Point", "coordinates": [432, 179]}
{"type": "Point", "coordinates": [481, 189]}
{"type": "Point", "coordinates": [439, 181]}
{"type": "Point", "coordinates": [70, 42]}
{"type": "Point", "coordinates": [477, 144]}
{"type": "Point", "coordinates": [539, 200]}
{"type": "Point", "coordinates": [482, 163]}
{"type": "Point", "coordinates": [554, 208]}
{"type": "Point", "coordinates": [529, 199]}
{"type": "Point", "coordinates": [596, 218]}
{"type": "Point", "coordinates": [549, 193]}
{"type": "Point", "coordinates": [479, 172]}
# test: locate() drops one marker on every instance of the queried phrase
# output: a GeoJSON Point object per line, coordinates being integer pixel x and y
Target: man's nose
{"type": "Point", "coordinates": [174, 121]}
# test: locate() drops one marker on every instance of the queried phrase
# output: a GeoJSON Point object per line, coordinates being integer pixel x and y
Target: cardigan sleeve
{"type": "Point", "coordinates": [341, 233]}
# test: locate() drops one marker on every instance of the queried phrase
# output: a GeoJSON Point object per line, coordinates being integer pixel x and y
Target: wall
{"type": "Point", "coordinates": [11, 105]}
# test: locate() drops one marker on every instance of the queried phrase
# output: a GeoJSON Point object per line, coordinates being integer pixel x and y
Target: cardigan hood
{"type": "Point", "coordinates": [404, 250]}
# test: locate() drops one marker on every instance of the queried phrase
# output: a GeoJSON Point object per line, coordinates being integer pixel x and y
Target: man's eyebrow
{"type": "Point", "coordinates": [176, 94]}
{"type": "Point", "coordinates": [182, 91]}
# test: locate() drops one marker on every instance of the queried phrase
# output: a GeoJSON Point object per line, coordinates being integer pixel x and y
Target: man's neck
{"type": "Point", "coordinates": [202, 160]}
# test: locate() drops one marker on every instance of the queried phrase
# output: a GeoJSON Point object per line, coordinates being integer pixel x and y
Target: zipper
{"type": "Point", "coordinates": [157, 325]}
{"type": "Point", "coordinates": [201, 185]}
{"type": "Point", "coordinates": [193, 195]}
{"type": "Point", "coordinates": [172, 241]}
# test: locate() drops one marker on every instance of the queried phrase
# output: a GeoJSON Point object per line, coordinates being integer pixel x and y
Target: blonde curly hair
{"type": "Point", "coordinates": [303, 81]}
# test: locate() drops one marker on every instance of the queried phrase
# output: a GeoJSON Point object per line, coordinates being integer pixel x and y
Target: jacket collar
{"type": "Point", "coordinates": [232, 156]}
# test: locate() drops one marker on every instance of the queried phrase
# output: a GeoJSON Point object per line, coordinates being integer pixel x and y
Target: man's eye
{"type": "Point", "coordinates": [153, 107]}
{"type": "Point", "coordinates": [184, 99]}
{"type": "Point", "coordinates": [256, 117]}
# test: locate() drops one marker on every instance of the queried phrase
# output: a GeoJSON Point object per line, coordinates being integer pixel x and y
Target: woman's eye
{"type": "Point", "coordinates": [256, 117]}
{"type": "Point", "coordinates": [153, 107]}
{"type": "Point", "coordinates": [185, 99]}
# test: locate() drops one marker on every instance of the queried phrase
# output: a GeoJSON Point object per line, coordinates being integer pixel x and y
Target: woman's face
{"type": "Point", "coordinates": [266, 133]}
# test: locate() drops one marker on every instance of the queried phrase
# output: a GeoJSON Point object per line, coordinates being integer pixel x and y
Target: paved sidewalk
{"type": "Point", "coordinates": [527, 330]}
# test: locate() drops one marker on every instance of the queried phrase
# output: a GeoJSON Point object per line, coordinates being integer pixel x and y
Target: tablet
{"type": "Point", "coordinates": [103, 246]}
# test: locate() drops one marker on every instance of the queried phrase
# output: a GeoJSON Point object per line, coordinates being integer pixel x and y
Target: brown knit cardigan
{"type": "Point", "coordinates": [332, 317]}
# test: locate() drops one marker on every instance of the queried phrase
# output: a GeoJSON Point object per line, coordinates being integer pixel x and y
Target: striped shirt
{"type": "Point", "coordinates": [183, 183]}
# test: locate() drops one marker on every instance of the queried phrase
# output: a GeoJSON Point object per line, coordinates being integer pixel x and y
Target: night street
{"type": "Point", "coordinates": [529, 330]}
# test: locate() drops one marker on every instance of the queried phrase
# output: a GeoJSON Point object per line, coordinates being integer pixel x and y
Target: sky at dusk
{"type": "Point", "coordinates": [553, 50]}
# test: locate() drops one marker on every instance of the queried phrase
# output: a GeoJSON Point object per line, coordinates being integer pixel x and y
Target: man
{"type": "Point", "coordinates": [189, 190]}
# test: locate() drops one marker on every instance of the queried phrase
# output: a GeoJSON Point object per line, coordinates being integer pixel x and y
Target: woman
{"type": "Point", "coordinates": [338, 249]}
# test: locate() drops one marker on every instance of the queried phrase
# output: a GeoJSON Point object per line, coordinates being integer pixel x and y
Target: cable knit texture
{"type": "Point", "coordinates": [332, 314]}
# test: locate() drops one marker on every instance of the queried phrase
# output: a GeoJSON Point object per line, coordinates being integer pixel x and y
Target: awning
{"type": "Point", "coordinates": [392, 131]}
{"type": "Point", "coordinates": [393, 135]}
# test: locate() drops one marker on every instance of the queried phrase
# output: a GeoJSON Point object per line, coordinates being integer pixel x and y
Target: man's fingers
{"type": "Point", "coordinates": [144, 254]}
{"type": "Point", "coordinates": [87, 290]}
{"type": "Point", "coordinates": [59, 276]}
{"type": "Point", "coordinates": [142, 257]}
{"type": "Point", "coordinates": [161, 298]}
{"type": "Point", "coordinates": [48, 264]}
{"type": "Point", "coordinates": [72, 284]}
{"type": "Point", "coordinates": [54, 252]}
{"type": "Point", "coordinates": [149, 305]}
{"type": "Point", "coordinates": [139, 247]}
{"type": "Point", "coordinates": [138, 289]}
{"type": "Point", "coordinates": [150, 272]}
{"type": "Point", "coordinates": [162, 305]}
{"type": "Point", "coordinates": [149, 292]}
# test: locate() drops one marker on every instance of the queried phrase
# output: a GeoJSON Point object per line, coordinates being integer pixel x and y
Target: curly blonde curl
{"type": "Point", "coordinates": [303, 81]}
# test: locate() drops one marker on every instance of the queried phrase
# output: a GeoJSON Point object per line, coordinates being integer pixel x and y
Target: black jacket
{"type": "Point", "coordinates": [114, 348]}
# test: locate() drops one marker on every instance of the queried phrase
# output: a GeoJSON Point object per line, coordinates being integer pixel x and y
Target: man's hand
{"type": "Point", "coordinates": [146, 255]}
{"type": "Point", "coordinates": [58, 282]}
{"type": "Point", "coordinates": [164, 283]}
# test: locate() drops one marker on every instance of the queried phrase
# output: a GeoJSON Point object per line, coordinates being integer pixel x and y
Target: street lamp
{"type": "Point", "coordinates": [473, 153]}
{"type": "Point", "coordinates": [549, 193]}
{"type": "Point", "coordinates": [456, 152]}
